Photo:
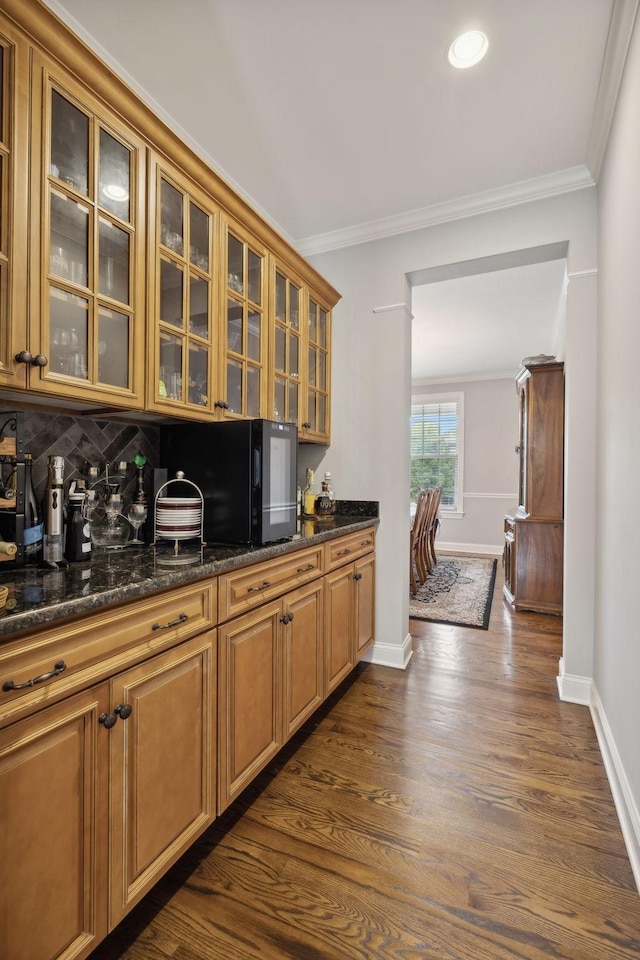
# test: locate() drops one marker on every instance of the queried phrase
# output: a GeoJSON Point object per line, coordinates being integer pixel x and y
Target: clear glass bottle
{"type": "Point", "coordinates": [309, 495]}
{"type": "Point", "coordinates": [33, 525]}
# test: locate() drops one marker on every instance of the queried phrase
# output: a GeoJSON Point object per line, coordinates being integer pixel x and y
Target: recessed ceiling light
{"type": "Point", "coordinates": [115, 192]}
{"type": "Point", "coordinates": [468, 49]}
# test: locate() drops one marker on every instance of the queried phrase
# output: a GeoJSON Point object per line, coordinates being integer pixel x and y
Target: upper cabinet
{"type": "Point", "coordinates": [184, 336]}
{"type": "Point", "coordinates": [87, 237]}
{"type": "Point", "coordinates": [131, 275]}
{"type": "Point", "coordinates": [285, 392]}
{"type": "Point", "coordinates": [317, 414]}
{"type": "Point", "coordinates": [244, 353]}
{"type": "Point", "coordinates": [13, 203]}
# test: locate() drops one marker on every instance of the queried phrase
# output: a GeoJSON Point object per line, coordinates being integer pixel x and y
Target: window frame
{"type": "Point", "coordinates": [423, 399]}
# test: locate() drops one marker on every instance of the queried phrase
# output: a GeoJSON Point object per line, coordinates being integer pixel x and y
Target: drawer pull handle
{"type": "Point", "coordinates": [309, 566]}
{"type": "Point", "coordinates": [59, 667]}
{"type": "Point", "coordinates": [366, 543]}
{"type": "Point", "coordinates": [261, 586]}
{"type": "Point", "coordinates": [173, 623]}
{"type": "Point", "coordinates": [343, 553]}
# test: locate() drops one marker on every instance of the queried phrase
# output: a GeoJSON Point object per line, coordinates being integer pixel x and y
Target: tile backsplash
{"type": "Point", "coordinates": [83, 441]}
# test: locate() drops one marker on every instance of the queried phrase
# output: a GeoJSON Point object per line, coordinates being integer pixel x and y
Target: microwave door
{"type": "Point", "coordinates": [278, 482]}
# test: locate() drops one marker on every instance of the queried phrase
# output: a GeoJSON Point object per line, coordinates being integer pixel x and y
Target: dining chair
{"type": "Point", "coordinates": [416, 541]}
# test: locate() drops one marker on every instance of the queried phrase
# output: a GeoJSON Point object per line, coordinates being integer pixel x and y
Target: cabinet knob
{"type": "Point", "coordinates": [357, 576]}
{"type": "Point", "coordinates": [221, 404]}
{"type": "Point", "coordinates": [108, 720]}
{"type": "Point", "coordinates": [307, 425]}
{"type": "Point", "coordinates": [123, 710]}
{"type": "Point", "coordinates": [25, 357]}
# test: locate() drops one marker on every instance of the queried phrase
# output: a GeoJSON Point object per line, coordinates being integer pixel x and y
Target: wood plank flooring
{"type": "Point", "coordinates": [454, 811]}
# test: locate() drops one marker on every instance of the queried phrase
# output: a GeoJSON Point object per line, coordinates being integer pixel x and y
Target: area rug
{"type": "Point", "coordinates": [457, 591]}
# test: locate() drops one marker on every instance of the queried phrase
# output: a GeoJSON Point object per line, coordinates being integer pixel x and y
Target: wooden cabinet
{"type": "Point", "coordinates": [285, 391]}
{"type": "Point", "coordinates": [243, 372]}
{"type": "Point", "coordinates": [184, 335]}
{"type": "Point", "coordinates": [202, 321]}
{"type": "Point", "coordinates": [349, 606]}
{"type": "Point", "coordinates": [124, 732]}
{"type": "Point", "coordinates": [271, 680]}
{"type": "Point", "coordinates": [53, 838]}
{"type": "Point", "coordinates": [83, 835]}
{"type": "Point", "coordinates": [14, 192]}
{"type": "Point", "coordinates": [87, 253]}
{"type": "Point", "coordinates": [534, 532]}
{"type": "Point", "coordinates": [162, 783]}
{"type": "Point", "coordinates": [316, 424]}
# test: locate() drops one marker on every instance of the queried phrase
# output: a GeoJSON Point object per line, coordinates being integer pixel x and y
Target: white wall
{"type": "Point", "coordinates": [490, 463]}
{"type": "Point", "coordinates": [617, 635]}
{"type": "Point", "coordinates": [369, 454]}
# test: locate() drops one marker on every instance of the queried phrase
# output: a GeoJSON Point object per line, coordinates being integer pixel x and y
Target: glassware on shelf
{"type": "Point", "coordinates": [136, 515]}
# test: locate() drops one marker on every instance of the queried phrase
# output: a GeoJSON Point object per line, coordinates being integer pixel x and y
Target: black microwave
{"type": "Point", "coordinates": [247, 472]}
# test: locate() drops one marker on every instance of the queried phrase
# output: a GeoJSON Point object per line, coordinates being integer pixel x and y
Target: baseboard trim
{"type": "Point", "coordinates": [622, 795]}
{"type": "Point", "coordinates": [494, 550]}
{"type": "Point", "coordinates": [391, 654]}
{"type": "Point", "coordinates": [573, 689]}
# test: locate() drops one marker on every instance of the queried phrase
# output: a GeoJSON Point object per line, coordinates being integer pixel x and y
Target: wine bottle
{"type": "Point", "coordinates": [33, 525]}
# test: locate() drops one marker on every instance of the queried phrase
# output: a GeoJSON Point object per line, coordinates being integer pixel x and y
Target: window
{"type": "Point", "coordinates": [436, 446]}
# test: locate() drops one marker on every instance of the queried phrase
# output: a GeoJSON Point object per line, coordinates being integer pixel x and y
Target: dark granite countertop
{"type": "Point", "coordinates": [40, 597]}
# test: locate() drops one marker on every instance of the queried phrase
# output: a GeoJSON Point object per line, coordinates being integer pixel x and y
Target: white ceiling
{"type": "Point", "coordinates": [341, 120]}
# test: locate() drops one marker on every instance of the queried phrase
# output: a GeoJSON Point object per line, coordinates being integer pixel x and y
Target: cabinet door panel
{"type": "Point", "coordinates": [53, 798]}
{"type": "Point", "coordinates": [339, 656]}
{"type": "Point", "coordinates": [249, 713]}
{"type": "Point", "coordinates": [14, 194]}
{"type": "Point", "coordinates": [303, 655]}
{"type": "Point", "coordinates": [162, 766]}
{"type": "Point", "coordinates": [364, 606]}
{"type": "Point", "coordinates": [87, 244]}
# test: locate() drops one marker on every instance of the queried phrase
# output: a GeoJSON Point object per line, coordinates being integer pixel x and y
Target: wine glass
{"type": "Point", "coordinates": [136, 515]}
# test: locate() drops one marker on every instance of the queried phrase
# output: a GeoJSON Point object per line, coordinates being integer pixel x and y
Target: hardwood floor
{"type": "Point", "coordinates": [456, 810]}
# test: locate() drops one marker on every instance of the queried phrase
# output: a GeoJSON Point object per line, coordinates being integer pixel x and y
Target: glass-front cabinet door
{"type": "Point", "coordinates": [92, 248]}
{"type": "Point", "coordinates": [243, 373]}
{"type": "Point", "coordinates": [285, 392]}
{"type": "Point", "coordinates": [13, 208]}
{"type": "Point", "coordinates": [183, 315]}
{"type": "Point", "coordinates": [317, 413]}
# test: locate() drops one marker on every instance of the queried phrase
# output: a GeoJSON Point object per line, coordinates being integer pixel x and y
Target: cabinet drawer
{"type": "Point", "coordinates": [245, 589]}
{"type": "Point", "coordinates": [348, 548]}
{"type": "Point", "coordinates": [94, 647]}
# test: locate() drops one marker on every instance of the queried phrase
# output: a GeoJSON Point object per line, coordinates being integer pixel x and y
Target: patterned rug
{"type": "Point", "coordinates": [458, 591]}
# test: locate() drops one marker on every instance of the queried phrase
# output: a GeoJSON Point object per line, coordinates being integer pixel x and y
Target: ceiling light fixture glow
{"type": "Point", "coordinates": [115, 192]}
{"type": "Point", "coordinates": [468, 49]}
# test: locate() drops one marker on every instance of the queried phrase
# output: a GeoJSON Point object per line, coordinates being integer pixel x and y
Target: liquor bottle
{"type": "Point", "coordinates": [327, 487]}
{"type": "Point", "coordinates": [78, 536]}
{"type": "Point", "coordinates": [33, 525]}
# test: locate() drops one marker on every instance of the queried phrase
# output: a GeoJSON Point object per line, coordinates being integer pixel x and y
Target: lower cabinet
{"type": "Point", "coordinates": [349, 617]}
{"type": "Point", "coordinates": [533, 561]}
{"type": "Point", "coordinates": [99, 794]}
{"type": "Point", "coordinates": [54, 791]}
{"type": "Point", "coordinates": [271, 680]}
{"type": "Point", "coordinates": [162, 766]}
{"type": "Point", "coordinates": [111, 766]}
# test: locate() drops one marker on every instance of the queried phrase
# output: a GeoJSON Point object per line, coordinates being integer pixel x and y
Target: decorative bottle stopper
{"type": "Point", "coordinates": [139, 461]}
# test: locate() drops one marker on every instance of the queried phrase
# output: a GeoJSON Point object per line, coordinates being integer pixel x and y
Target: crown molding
{"type": "Point", "coordinates": [623, 18]}
{"type": "Point", "coordinates": [393, 308]}
{"type": "Point", "coordinates": [526, 191]}
{"type": "Point", "coordinates": [463, 378]}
